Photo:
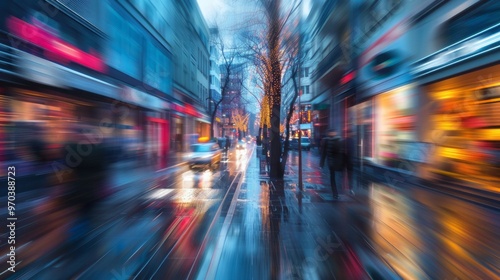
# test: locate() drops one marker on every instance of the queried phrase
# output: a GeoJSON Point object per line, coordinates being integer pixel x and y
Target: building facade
{"type": "Point", "coordinates": [425, 91]}
{"type": "Point", "coordinates": [457, 77]}
{"type": "Point", "coordinates": [115, 65]}
{"type": "Point", "coordinates": [330, 61]}
{"type": "Point", "coordinates": [232, 103]}
{"type": "Point", "coordinates": [214, 94]}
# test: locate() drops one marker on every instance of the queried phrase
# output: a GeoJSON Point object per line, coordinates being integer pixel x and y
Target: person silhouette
{"type": "Point", "coordinates": [333, 151]}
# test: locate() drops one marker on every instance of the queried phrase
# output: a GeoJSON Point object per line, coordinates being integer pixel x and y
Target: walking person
{"type": "Point", "coordinates": [333, 151]}
{"type": "Point", "coordinates": [89, 163]}
{"type": "Point", "coordinates": [228, 143]}
{"type": "Point", "coordinates": [349, 157]}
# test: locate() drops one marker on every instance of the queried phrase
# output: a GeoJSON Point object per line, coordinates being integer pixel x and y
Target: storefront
{"type": "Point", "coordinates": [320, 121]}
{"type": "Point", "coordinates": [384, 119]}
{"type": "Point", "coordinates": [361, 125]}
{"type": "Point", "coordinates": [188, 125]}
{"type": "Point", "coordinates": [143, 125]}
{"type": "Point", "coordinates": [157, 140]}
{"type": "Point", "coordinates": [203, 127]}
{"type": "Point", "coordinates": [464, 127]}
{"type": "Point", "coordinates": [54, 99]}
{"type": "Point", "coordinates": [55, 114]}
{"type": "Point", "coordinates": [395, 125]}
{"type": "Point", "coordinates": [46, 116]}
{"type": "Point", "coordinates": [177, 131]}
{"type": "Point", "coordinates": [461, 83]}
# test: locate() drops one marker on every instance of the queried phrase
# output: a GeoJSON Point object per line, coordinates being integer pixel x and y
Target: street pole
{"type": "Point", "coordinates": [301, 188]}
{"type": "Point", "coordinates": [212, 119]}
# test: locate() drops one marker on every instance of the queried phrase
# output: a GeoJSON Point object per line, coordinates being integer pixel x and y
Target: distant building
{"type": "Point", "coordinates": [232, 102]}
{"type": "Point", "coordinates": [214, 94]}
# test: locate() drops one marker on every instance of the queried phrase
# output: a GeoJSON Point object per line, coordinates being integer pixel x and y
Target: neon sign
{"type": "Point", "coordinates": [348, 77]}
{"type": "Point", "coordinates": [55, 48]}
{"type": "Point", "coordinates": [188, 109]}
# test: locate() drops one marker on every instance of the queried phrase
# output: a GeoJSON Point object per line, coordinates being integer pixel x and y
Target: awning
{"type": "Point", "coordinates": [320, 106]}
{"type": "Point", "coordinates": [203, 120]}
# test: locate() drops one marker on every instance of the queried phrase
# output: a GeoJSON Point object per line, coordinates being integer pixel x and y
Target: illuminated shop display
{"type": "Point", "coordinates": [396, 115]}
{"type": "Point", "coordinates": [360, 124]}
{"type": "Point", "coordinates": [466, 127]}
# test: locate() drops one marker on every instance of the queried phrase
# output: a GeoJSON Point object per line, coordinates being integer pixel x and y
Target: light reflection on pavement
{"type": "Point", "coordinates": [204, 224]}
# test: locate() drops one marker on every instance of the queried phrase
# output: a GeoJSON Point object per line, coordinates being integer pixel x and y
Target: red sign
{"type": "Point", "coordinates": [347, 77]}
{"type": "Point", "coordinates": [178, 108]}
{"type": "Point", "coordinates": [188, 109]}
{"type": "Point", "coordinates": [55, 48]}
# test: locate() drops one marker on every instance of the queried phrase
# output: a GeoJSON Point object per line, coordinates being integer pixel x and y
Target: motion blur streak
{"type": "Point", "coordinates": [154, 139]}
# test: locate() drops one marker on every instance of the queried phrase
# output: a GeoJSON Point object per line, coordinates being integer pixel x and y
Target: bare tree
{"type": "Point", "coordinates": [269, 49]}
{"type": "Point", "coordinates": [228, 56]}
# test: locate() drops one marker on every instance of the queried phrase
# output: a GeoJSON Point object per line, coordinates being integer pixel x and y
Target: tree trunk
{"type": "Point", "coordinates": [288, 118]}
{"type": "Point", "coordinates": [276, 171]}
{"type": "Point", "coordinates": [273, 38]}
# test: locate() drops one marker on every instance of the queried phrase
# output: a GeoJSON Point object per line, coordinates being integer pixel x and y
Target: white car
{"type": "Point", "coordinates": [204, 154]}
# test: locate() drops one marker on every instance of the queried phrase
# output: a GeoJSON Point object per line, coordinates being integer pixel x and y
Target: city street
{"type": "Point", "coordinates": [150, 139]}
{"type": "Point", "coordinates": [235, 223]}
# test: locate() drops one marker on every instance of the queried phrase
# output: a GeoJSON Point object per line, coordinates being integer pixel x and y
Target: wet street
{"type": "Point", "coordinates": [234, 223]}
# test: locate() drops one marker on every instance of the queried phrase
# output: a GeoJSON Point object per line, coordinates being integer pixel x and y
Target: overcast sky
{"type": "Point", "coordinates": [211, 8]}
{"type": "Point", "coordinates": [230, 11]}
{"type": "Point", "coordinates": [231, 16]}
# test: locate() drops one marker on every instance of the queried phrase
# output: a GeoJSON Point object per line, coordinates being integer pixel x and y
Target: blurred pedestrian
{"type": "Point", "coordinates": [89, 160]}
{"type": "Point", "coordinates": [228, 143]}
{"type": "Point", "coordinates": [37, 145]}
{"type": "Point", "coordinates": [350, 149]}
{"type": "Point", "coordinates": [332, 150]}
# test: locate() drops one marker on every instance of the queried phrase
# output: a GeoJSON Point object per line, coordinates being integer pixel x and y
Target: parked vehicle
{"type": "Point", "coordinates": [305, 143]}
{"type": "Point", "coordinates": [204, 155]}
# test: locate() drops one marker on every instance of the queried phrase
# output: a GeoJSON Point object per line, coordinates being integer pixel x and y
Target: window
{"type": "Point", "coordinates": [473, 20]}
{"type": "Point", "coordinates": [304, 72]}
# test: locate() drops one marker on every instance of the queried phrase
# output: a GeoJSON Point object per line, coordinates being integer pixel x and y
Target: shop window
{"type": "Point", "coordinates": [395, 126]}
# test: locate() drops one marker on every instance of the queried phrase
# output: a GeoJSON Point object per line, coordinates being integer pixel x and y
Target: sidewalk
{"type": "Point", "coordinates": [278, 232]}
{"type": "Point", "coordinates": [385, 231]}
